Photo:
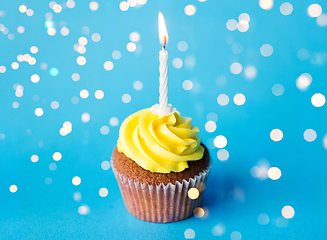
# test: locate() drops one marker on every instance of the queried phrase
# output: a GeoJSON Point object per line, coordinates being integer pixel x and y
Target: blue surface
{"type": "Point", "coordinates": [44, 207]}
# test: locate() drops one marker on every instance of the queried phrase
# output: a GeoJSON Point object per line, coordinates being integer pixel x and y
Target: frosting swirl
{"type": "Point", "coordinates": [160, 143]}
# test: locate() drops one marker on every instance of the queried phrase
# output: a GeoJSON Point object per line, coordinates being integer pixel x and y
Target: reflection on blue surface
{"type": "Point", "coordinates": [250, 74]}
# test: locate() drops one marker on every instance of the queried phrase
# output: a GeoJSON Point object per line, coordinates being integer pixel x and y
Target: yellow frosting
{"type": "Point", "coordinates": [160, 143]}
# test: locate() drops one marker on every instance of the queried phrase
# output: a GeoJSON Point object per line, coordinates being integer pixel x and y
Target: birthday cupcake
{"type": "Point", "coordinates": [159, 162]}
{"type": "Point", "coordinates": [160, 165]}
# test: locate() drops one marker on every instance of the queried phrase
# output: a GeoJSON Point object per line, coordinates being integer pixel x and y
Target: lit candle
{"type": "Point", "coordinates": [163, 108]}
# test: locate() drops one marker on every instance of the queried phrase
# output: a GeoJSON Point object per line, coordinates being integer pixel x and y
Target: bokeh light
{"type": "Point", "coordinates": [288, 212]}
{"type": "Point", "coordinates": [314, 10]}
{"type": "Point", "coordinates": [286, 8]}
{"type": "Point", "coordinates": [276, 135]}
{"type": "Point", "coordinates": [223, 99]}
{"type": "Point", "coordinates": [310, 135]}
{"type": "Point", "coordinates": [235, 235]}
{"type": "Point", "coordinates": [35, 158]}
{"type": "Point", "coordinates": [318, 100]}
{"type": "Point", "coordinates": [220, 141]}
{"type": "Point", "coordinates": [266, 50]}
{"type": "Point", "coordinates": [222, 154]}
{"type": "Point", "coordinates": [85, 117]}
{"type": "Point", "coordinates": [193, 193]}
{"type": "Point", "coordinates": [266, 4]}
{"type": "Point", "coordinates": [13, 188]}
{"type": "Point", "coordinates": [190, 10]}
{"type": "Point", "coordinates": [274, 173]}
{"type": "Point", "coordinates": [103, 192]}
{"type": "Point", "coordinates": [239, 99]}
{"type": "Point", "coordinates": [263, 219]}
{"type": "Point", "coordinates": [277, 89]}
{"type": "Point", "coordinates": [57, 156]}
{"type": "Point", "coordinates": [76, 180]}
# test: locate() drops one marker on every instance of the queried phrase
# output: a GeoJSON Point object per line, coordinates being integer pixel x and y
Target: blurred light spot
{"type": "Point", "coordinates": [244, 17]}
{"type": "Point", "coordinates": [288, 212]}
{"type": "Point", "coordinates": [38, 112]}
{"type": "Point", "coordinates": [99, 94]}
{"type": "Point", "coordinates": [314, 10]}
{"type": "Point", "coordinates": [94, 6]}
{"type": "Point", "coordinates": [131, 47]}
{"type": "Point", "coordinates": [20, 58]}
{"type": "Point", "coordinates": [318, 100]}
{"type": "Point", "coordinates": [43, 66]}
{"type": "Point", "coordinates": [15, 105]}
{"type": "Point", "coordinates": [220, 141]}
{"type": "Point", "coordinates": [104, 130]}
{"type": "Point", "coordinates": [54, 105]}
{"type": "Point", "coordinates": [66, 128]}
{"type": "Point", "coordinates": [74, 100]}
{"type": "Point", "coordinates": [322, 20]}
{"type": "Point", "coordinates": [31, 61]}
{"type": "Point", "coordinates": [84, 210]}
{"type": "Point", "coordinates": [103, 192]}
{"type": "Point", "coordinates": [113, 121]}
{"type": "Point", "coordinates": [123, 6]}
{"type": "Point", "coordinates": [190, 61]}
{"type": "Point", "coordinates": [20, 29]}
{"type": "Point", "coordinates": [35, 158]}
{"type": "Point", "coordinates": [29, 12]}
{"type": "Point", "coordinates": [190, 10]}
{"type": "Point", "coordinates": [126, 98]}
{"type": "Point", "coordinates": [3, 69]}
{"type": "Point", "coordinates": [187, 85]}
{"type": "Point", "coordinates": [22, 8]}
{"type": "Point", "coordinates": [48, 16]}
{"type": "Point", "coordinates": [324, 143]}
{"type": "Point", "coordinates": [48, 24]}
{"type": "Point", "coordinates": [132, 3]}
{"type": "Point", "coordinates": [237, 48]}
{"type": "Point", "coordinates": [64, 31]}
{"type": "Point", "coordinates": [209, 143]}
{"type": "Point", "coordinates": [250, 72]}
{"type": "Point", "coordinates": [53, 71]}
{"type": "Point", "coordinates": [235, 235]}
{"type": "Point", "coordinates": [303, 81]}
{"type": "Point", "coordinates": [243, 26]}
{"type": "Point", "coordinates": [35, 97]}
{"type": "Point", "coordinates": [85, 30]}
{"type": "Point", "coordinates": [276, 135]}
{"type": "Point", "coordinates": [134, 36]}
{"type": "Point", "coordinates": [70, 3]}
{"type": "Point", "coordinates": [82, 41]}
{"type": "Point", "coordinates": [239, 99]}
{"type": "Point", "coordinates": [266, 4]}
{"type": "Point", "coordinates": [198, 212]}
{"type": "Point", "coordinates": [81, 60]}
{"type": "Point", "coordinates": [222, 154]}
{"type": "Point", "coordinates": [212, 117]}
{"type": "Point", "coordinates": [96, 37]}
{"type": "Point", "coordinates": [35, 78]}
{"type": "Point", "coordinates": [76, 180]}
{"type": "Point", "coordinates": [182, 46]}
{"type": "Point", "coordinates": [51, 31]}
{"type": "Point", "coordinates": [57, 156]}
{"type": "Point", "coordinates": [13, 188]}
{"type": "Point", "coordinates": [116, 55]}
{"type": "Point", "coordinates": [137, 85]}
{"type": "Point", "coordinates": [266, 50]}
{"type": "Point", "coordinates": [57, 8]}
{"type": "Point", "coordinates": [2, 136]}
{"type": "Point", "coordinates": [235, 68]}
{"type": "Point", "coordinates": [15, 65]}
{"type": "Point", "coordinates": [286, 8]}
{"type": "Point", "coordinates": [263, 219]}
{"type": "Point", "coordinates": [281, 222]}
{"type": "Point", "coordinates": [210, 126]}
{"type": "Point", "coordinates": [310, 135]}
{"type": "Point", "coordinates": [85, 117]}
{"type": "Point", "coordinates": [108, 65]}
{"type": "Point", "coordinates": [142, 2]}
{"type": "Point", "coordinates": [177, 63]}
{"type": "Point", "coordinates": [77, 196]}
{"type": "Point", "coordinates": [5, 30]}
{"type": "Point", "coordinates": [105, 165]}
{"type": "Point", "coordinates": [34, 49]}
{"type": "Point", "coordinates": [223, 99]}
{"type": "Point", "coordinates": [75, 77]}
{"type": "Point", "coordinates": [193, 193]}
{"type": "Point", "coordinates": [218, 230]}
{"type": "Point", "coordinates": [48, 180]}
{"type": "Point", "coordinates": [26, 57]}
{"type": "Point", "coordinates": [189, 234]}
{"type": "Point", "coordinates": [277, 89]}
{"type": "Point", "coordinates": [231, 24]}
{"type": "Point", "coordinates": [274, 173]}
{"type": "Point", "coordinates": [52, 166]}
{"type": "Point", "coordinates": [11, 36]}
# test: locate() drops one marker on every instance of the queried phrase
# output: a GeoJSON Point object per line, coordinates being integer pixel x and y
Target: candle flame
{"type": "Point", "coordinates": [163, 34]}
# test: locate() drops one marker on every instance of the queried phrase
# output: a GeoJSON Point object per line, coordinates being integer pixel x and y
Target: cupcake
{"type": "Point", "coordinates": [160, 165]}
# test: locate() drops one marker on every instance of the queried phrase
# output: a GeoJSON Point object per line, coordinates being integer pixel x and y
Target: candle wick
{"type": "Point", "coordinates": [164, 43]}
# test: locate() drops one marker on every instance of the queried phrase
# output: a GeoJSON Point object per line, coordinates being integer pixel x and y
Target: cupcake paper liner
{"type": "Point", "coordinates": [162, 203]}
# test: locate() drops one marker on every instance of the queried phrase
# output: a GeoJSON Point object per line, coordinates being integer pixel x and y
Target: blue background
{"type": "Point", "coordinates": [233, 199]}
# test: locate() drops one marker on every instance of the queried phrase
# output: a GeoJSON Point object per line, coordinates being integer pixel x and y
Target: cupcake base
{"type": "Point", "coordinates": [162, 203]}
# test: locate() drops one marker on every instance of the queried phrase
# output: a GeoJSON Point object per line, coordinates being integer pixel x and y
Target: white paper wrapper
{"type": "Point", "coordinates": [163, 203]}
